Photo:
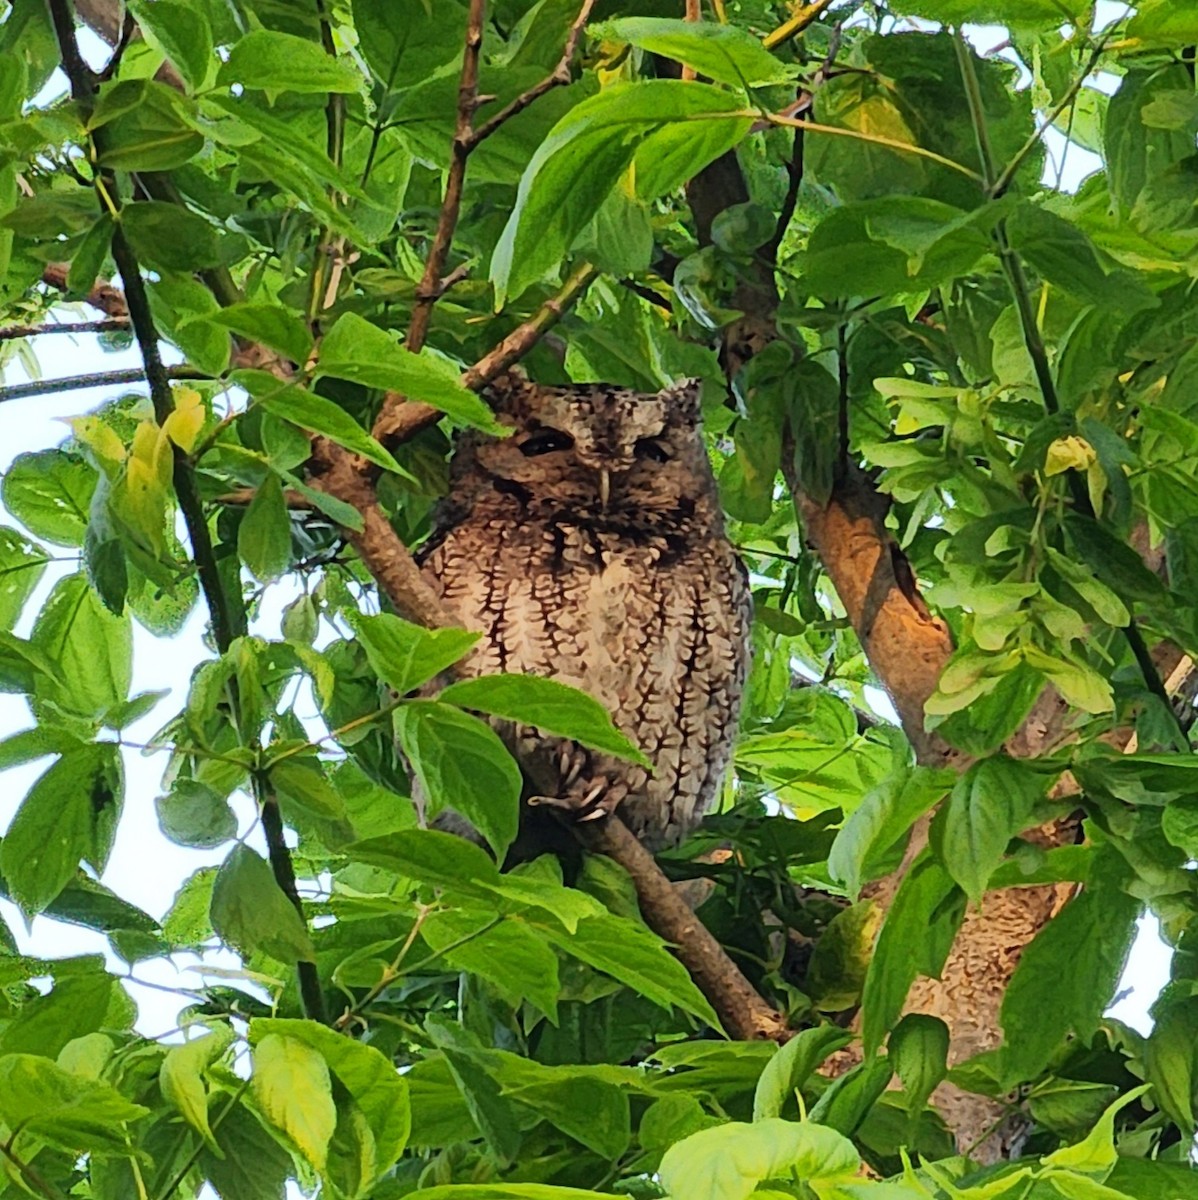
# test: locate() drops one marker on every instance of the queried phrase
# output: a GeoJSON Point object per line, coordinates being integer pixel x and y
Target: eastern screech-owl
{"type": "Point", "coordinates": [589, 547]}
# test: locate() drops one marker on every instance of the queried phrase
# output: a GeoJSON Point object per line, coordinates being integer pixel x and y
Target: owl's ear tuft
{"type": "Point", "coordinates": [683, 400]}
{"type": "Point", "coordinates": [509, 392]}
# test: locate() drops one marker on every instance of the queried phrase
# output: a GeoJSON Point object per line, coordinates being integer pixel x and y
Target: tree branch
{"type": "Point", "coordinates": [73, 383]}
{"type": "Point", "coordinates": [451, 205]}
{"type": "Point", "coordinates": [10, 333]}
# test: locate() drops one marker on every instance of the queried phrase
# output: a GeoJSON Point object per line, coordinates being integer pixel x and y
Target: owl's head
{"type": "Point", "coordinates": [595, 445]}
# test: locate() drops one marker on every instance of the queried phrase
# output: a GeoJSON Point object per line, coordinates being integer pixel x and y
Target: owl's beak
{"type": "Point", "coordinates": [604, 487]}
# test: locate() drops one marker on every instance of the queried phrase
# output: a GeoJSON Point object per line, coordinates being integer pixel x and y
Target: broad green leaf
{"type": "Point", "coordinates": [991, 803]}
{"type": "Point", "coordinates": [626, 950]}
{"type": "Point", "coordinates": [882, 821]}
{"type": "Point", "coordinates": [918, 1050]}
{"type": "Point", "coordinates": [23, 667]}
{"type": "Point", "coordinates": [178, 31]}
{"type": "Point", "coordinates": [791, 1066]}
{"type": "Point", "coordinates": [836, 972]}
{"type": "Point", "coordinates": [144, 125]}
{"type": "Point", "coordinates": [250, 911]}
{"type": "Point", "coordinates": [65, 1110]}
{"type": "Point", "coordinates": [1179, 823]}
{"type": "Point", "coordinates": [193, 814]}
{"type": "Point", "coordinates": [404, 655]}
{"type": "Point", "coordinates": [68, 815]}
{"type": "Point", "coordinates": [916, 937]}
{"type": "Point", "coordinates": [89, 257]}
{"type": "Point", "coordinates": [315, 414]}
{"type": "Point", "coordinates": [273, 325]}
{"type": "Point", "coordinates": [187, 922]}
{"type": "Point", "coordinates": [1093, 933]}
{"type": "Point", "coordinates": [671, 129]}
{"type": "Point", "coordinates": [356, 350]}
{"type": "Point", "coordinates": [74, 1007]}
{"type": "Point", "coordinates": [462, 766]}
{"type": "Point", "coordinates": [248, 1163]}
{"type": "Point", "coordinates": [92, 651]}
{"type": "Point", "coordinates": [268, 59]}
{"type": "Point", "coordinates": [1164, 23]}
{"type": "Point", "coordinates": [551, 706]}
{"type": "Point", "coordinates": [849, 1099]}
{"type": "Point", "coordinates": [22, 563]}
{"type": "Point", "coordinates": [291, 1084]}
{"type": "Point", "coordinates": [403, 46]}
{"type": "Point", "coordinates": [1034, 14]}
{"type": "Point", "coordinates": [303, 782]}
{"type": "Point", "coordinates": [368, 1075]}
{"type": "Point", "coordinates": [1095, 1153]}
{"type": "Point", "coordinates": [505, 1191]}
{"type": "Point", "coordinates": [169, 237]}
{"type": "Point", "coordinates": [264, 535]}
{"type": "Point", "coordinates": [721, 52]}
{"type": "Point", "coordinates": [509, 953]}
{"type": "Point", "coordinates": [728, 1161]}
{"type": "Point", "coordinates": [181, 1076]}
{"type": "Point", "coordinates": [50, 492]}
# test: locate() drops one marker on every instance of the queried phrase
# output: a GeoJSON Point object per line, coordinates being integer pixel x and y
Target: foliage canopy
{"type": "Point", "coordinates": [1012, 366]}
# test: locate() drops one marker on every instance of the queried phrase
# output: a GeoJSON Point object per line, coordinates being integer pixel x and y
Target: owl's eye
{"type": "Point", "coordinates": [546, 441]}
{"type": "Point", "coordinates": [652, 449]}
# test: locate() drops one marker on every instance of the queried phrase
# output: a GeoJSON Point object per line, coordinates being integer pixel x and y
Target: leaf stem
{"type": "Point", "coordinates": [806, 15]}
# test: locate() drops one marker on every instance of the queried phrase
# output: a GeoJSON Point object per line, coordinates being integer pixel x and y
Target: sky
{"type": "Point", "coordinates": [147, 869]}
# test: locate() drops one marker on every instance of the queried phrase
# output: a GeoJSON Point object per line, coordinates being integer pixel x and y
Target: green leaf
{"type": "Point", "coordinates": [178, 31]}
{"type": "Point", "coordinates": [368, 1075]}
{"type": "Point", "coordinates": [627, 951]}
{"type": "Point", "coordinates": [50, 493]}
{"type": "Point", "coordinates": [22, 564]}
{"type": "Point", "coordinates": [403, 46]}
{"type": "Point", "coordinates": [1095, 1153]}
{"type": "Point", "coordinates": [1164, 23]}
{"type": "Point", "coordinates": [74, 1114]}
{"type": "Point", "coordinates": [181, 1076]}
{"type": "Point", "coordinates": [193, 814]}
{"type": "Point", "coordinates": [1093, 934]}
{"type": "Point", "coordinates": [915, 940]}
{"type": "Point", "coordinates": [144, 125]}
{"type": "Point", "coordinates": [552, 707]}
{"type": "Point", "coordinates": [671, 129]}
{"type": "Point", "coordinates": [264, 535]}
{"type": "Point", "coordinates": [75, 1007]}
{"type": "Point", "coordinates": [250, 911]}
{"type": "Point", "coordinates": [271, 324]}
{"type": "Point", "coordinates": [67, 816]}
{"type": "Point", "coordinates": [248, 1162]}
{"type": "Point", "coordinates": [291, 1084]}
{"type": "Point", "coordinates": [187, 922]}
{"type": "Point", "coordinates": [302, 781]}
{"type": "Point", "coordinates": [356, 350]}
{"type": "Point", "coordinates": [464, 767]}
{"type": "Point", "coordinates": [848, 1101]}
{"type": "Point", "coordinates": [89, 257]}
{"type": "Point", "coordinates": [1020, 14]}
{"type": "Point", "coordinates": [169, 237]}
{"type": "Point", "coordinates": [504, 1191]}
{"type": "Point", "coordinates": [1179, 823]}
{"type": "Point", "coordinates": [918, 1049]}
{"type": "Point", "coordinates": [283, 62]}
{"type": "Point", "coordinates": [791, 1066]}
{"type": "Point", "coordinates": [728, 1161]}
{"type": "Point", "coordinates": [721, 52]}
{"type": "Point", "coordinates": [404, 655]}
{"type": "Point", "coordinates": [92, 651]}
{"type": "Point", "coordinates": [882, 821]}
{"type": "Point", "coordinates": [315, 414]}
{"type": "Point", "coordinates": [991, 803]}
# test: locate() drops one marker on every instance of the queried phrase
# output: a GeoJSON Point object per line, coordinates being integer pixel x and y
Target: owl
{"type": "Point", "coordinates": [589, 547]}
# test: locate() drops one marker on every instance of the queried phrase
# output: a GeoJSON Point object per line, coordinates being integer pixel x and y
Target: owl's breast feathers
{"type": "Point", "coordinates": [646, 609]}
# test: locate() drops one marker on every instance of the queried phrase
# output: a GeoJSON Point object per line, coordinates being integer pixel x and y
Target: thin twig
{"type": "Point", "coordinates": [73, 383]}
{"type": "Point", "coordinates": [558, 77]}
{"type": "Point", "coordinates": [406, 420]}
{"type": "Point", "coordinates": [10, 333]}
{"type": "Point", "coordinates": [1007, 174]}
{"type": "Point", "coordinates": [451, 205]}
{"type": "Point", "coordinates": [792, 28]}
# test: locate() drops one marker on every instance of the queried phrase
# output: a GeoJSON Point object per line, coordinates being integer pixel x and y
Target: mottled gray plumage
{"type": "Point", "coordinates": [589, 547]}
